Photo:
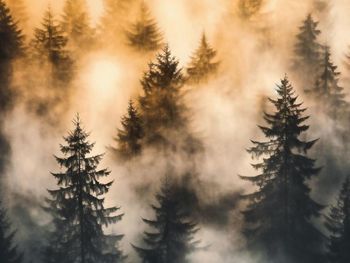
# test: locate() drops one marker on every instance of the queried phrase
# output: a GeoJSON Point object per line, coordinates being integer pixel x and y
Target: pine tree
{"type": "Point", "coordinates": [11, 47]}
{"type": "Point", "coordinates": [162, 108]}
{"type": "Point", "coordinates": [202, 65]}
{"type": "Point", "coordinates": [49, 48]}
{"type": "Point", "coordinates": [8, 250]}
{"type": "Point", "coordinates": [78, 206]}
{"type": "Point", "coordinates": [279, 211]}
{"type": "Point", "coordinates": [338, 223]}
{"type": "Point", "coordinates": [144, 34]}
{"type": "Point", "coordinates": [19, 11]}
{"type": "Point", "coordinates": [114, 21]}
{"type": "Point", "coordinates": [307, 50]}
{"type": "Point", "coordinates": [172, 237]}
{"type": "Point", "coordinates": [130, 136]}
{"type": "Point", "coordinates": [327, 90]}
{"type": "Point", "coordinates": [76, 24]}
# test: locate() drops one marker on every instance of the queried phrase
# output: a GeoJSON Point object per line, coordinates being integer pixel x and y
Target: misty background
{"type": "Point", "coordinates": [255, 51]}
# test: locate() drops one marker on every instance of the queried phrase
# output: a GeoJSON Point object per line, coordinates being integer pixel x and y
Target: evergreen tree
{"type": "Point", "coordinates": [202, 65]}
{"type": "Point", "coordinates": [114, 21]}
{"type": "Point", "coordinates": [8, 250]}
{"type": "Point", "coordinates": [327, 89]}
{"type": "Point", "coordinates": [78, 206]}
{"type": "Point", "coordinates": [162, 108]}
{"type": "Point", "coordinates": [144, 34]}
{"type": "Point", "coordinates": [19, 11]}
{"type": "Point", "coordinates": [130, 136]}
{"type": "Point", "coordinates": [76, 24]}
{"type": "Point", "coordinates": [338, 223]}
{"type": "Point", "coordinates": [279, 212]}
{"type": "Point", "coordinates": [307, 50]}
{"type": "Point", "coordinates": [11, 47]}
{"type": "Point", "coordinates": [172, 237]}
{"type": "Point", "coordinates": [49, 48]}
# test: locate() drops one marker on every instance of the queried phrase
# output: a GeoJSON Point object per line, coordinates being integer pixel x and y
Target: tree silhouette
{"type": "Point", "coordinates": [338, 224]}
{"type": "Point", "coordinates": [11, 48]}
{"type": "Point", "coordinates": [144, 34]}
{"type": "Point", "coordinates": [49, 48]}
{"type": "Point", "coordinates": [130, 136]}
{"type": "Point", "coordinates": [202, 65]}
{"type": "Point", "coordinates": [78, 206]}
{"type": "Point", "coordinates": [162, 107]}
{"type": "Point", "coordinates": [279, 211]}
{"type": "Point", "coordinates": [172, 237]}
{"type": "Point", "coordinates": [19, 11]}
{"type": "Point", "coordinates": [327, 90]}
{"type": "Point", "coordinates": [307, 51]}
{"type": "Point", "coordinates": [8, 250]}
{"type": "Point", "coordinates": [76, 24]}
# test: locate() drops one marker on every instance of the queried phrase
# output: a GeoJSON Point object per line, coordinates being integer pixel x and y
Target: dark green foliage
{"type": "Point", "coordinates": [144, 34]}
{"type": "Point", "coordinates": [11, 47]}
{"type": "Point", "coordinates": [279, 213]}
{"type": "Point", "coordinates": [76, 24]}
{"type": "Point", "coordinates": [49, 49]}
{"type": "Point", "coordinates": [162, 107]}
{"type": "Point", "coordinates": [130, 136]}
{"type": "Point", "coordinates": [172, 235]}
{"type": "Point", "coordinates": [249, 8]}
{"type": "Point", "coordinates": [78, 208]}
{"type": "Point", "coordinates": [327, 90]}
{"type": "Point", "coordinates": [307, 51]}
{"type": "Point", "coordinates": [8, 250]}
{"type": "Point", "coordinates": [203, 64]}
{"type": "Point", "coordinates": [338, 224]}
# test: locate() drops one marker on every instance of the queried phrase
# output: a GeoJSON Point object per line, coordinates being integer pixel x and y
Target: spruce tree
{"type": "Point", "coordinates": [130, 136]}
{"type": "Point", "coordinates": [144, 34]}
{"type": "Point", "coordinates": [202, 65]}
{"type": "Point", "coordinates": [307, 50]}
{"type": "Point", "coordinates": [76, 24]}
{"type": "Point", "coordinates": [11, 48]}
{"type": "Point", "coordinates": [49, 48]}
{"type": "Point", "coordinates": [8, 250]}
{"type": "Point", "coordinates": [114, 21]}
{"type": "Point", "coordinates": [172, 236]}
{"type": "Point", "coordinates": [78, 206]}
{"type": "Point", "coordinates": [19, 12]}
{"type": "Point", "coordinates": [327, 89]}
{"type": "Point", "coordinates": [162, 107]}
{"type": "Point", "coordinates": [338, 224]}
{"type": "Point", "coordinates": [279, 212]}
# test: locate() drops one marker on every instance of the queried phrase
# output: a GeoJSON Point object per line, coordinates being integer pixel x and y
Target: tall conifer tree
{"type": "Point", "coordinates": [19, 12]}
{"type": "Point", "coordinates": [76, 24]}
{"type": "Point", "coordinates": [280, 210]}
{"type": "Point", "coordinates": [172, 236]}
{"type": "Point", "coordinates": [338, 224]}
{"type": "Point", "coordinates": [327, 89]}
{"type": "Point", "coordinates": [11, 47]}
{"type": "Point", "coordinates": [307, 51]}
{"type": "Point", "coordinates": [144, 34]}
{"type": "Point", "coordinates": [78, 206]}
{"type": "Point", "coordinates": [162, 107]}
{"type": "Point", "coordinates": [49, 48]}
{"type": "Point", "coordinates": [129, 138]}
{"type": "Point", "coordinates": [203, 63]}
{"type": "Point", "coordinates": [8, 250]}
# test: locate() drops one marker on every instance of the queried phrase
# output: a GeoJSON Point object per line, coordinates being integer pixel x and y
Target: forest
{"type": "Point", "coordinates": [174, 131]}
